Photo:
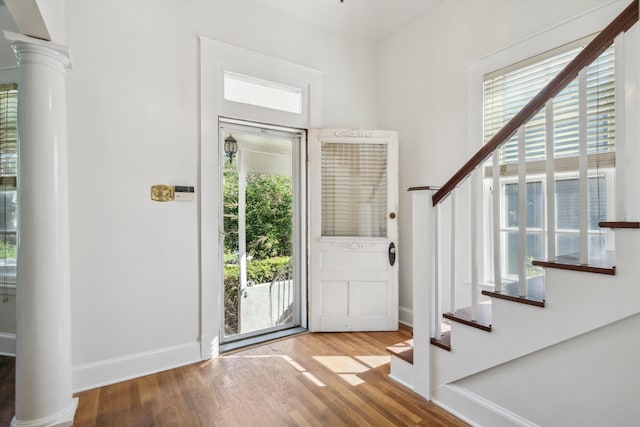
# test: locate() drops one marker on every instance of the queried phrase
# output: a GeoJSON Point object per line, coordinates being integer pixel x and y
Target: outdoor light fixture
{"type": "Point", "coordinates": [230, 147]}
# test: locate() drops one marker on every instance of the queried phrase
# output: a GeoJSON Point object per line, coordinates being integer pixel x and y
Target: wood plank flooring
{"type": "Point", "coordinates": [307, 380]}
{"type": "Point", "coordinates": [7, 387]}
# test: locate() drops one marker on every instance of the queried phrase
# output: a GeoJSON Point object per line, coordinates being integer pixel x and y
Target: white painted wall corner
{"type": "Point", "coordinates": [405, 316]}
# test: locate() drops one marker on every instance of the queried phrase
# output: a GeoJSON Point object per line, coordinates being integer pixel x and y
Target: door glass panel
{"type": "Point", "coordinates": [354, 189]}
{"type": "Point", "coordinates": [259, 292]}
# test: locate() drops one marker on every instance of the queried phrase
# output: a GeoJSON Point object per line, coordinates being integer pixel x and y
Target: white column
{"type": "Point", "coordinates": [43, 347]}
{"type": "Point", "coordinates": [423, 283]}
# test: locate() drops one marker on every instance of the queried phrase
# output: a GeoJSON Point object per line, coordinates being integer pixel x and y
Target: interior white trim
{"type": "Point", "coordinates": [405, 315]}
{"type": "Point", "coordinates": [109, 371]}
{"type": "Point", "coordinates": [215, 58]}
{"type": "Point", "coordinates": [62, 418]}
{"type": "Point", "coordinates": [566, 32]}
{"type": "Point", "coordinates": [401, 372]}
{"type": "Point", "coordinates": [483, 412]}
{"type": "Point", "coordinates": [7, 344]}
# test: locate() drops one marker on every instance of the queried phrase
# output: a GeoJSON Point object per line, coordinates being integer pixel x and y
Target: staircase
{"type": "Point", "coordinates": [536, 350]}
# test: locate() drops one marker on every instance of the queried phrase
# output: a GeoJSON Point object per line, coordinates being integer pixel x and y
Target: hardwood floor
{"type": "Point", "coordinates": [7, 387]}
{"type": "Point", "coordinates": [306, 380]}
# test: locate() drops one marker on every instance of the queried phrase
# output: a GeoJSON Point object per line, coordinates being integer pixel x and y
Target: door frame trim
{"type": "Point", "coordinates": [299, 245]}
{"type": "Point", "coordinates": [215, 58]}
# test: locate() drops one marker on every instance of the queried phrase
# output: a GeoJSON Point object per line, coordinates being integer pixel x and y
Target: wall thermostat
{"type": "Point", "coordinates": [167, 193]}
{"type": "Point", "coordinates": [184, 193]}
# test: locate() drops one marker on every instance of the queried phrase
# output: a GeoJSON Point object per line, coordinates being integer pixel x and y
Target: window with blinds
{"type": "Point", "coordinates": [8, 178]}
{"type": "Point", "coordinates": [507, 91]}
{"type": "Point", "coordinates": [354, 189]}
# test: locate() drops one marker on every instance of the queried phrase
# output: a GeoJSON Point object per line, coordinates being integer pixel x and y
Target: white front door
{"type": "Point", "coordinates": [353, 202]}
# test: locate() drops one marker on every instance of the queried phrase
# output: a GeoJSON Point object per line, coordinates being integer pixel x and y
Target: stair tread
{"type": "Point", "coordinates": [619, 224]}
{"type": "Point", "coordinates": [483, 316]}
{"type": "Point", "coordinates": [596, 264]}
{"type": "Point", "coordinates": [510, 292]}
{"type": "Point", "coordinates": [444, 342]}
{"type": "Point", "coordinates": [402, 350]}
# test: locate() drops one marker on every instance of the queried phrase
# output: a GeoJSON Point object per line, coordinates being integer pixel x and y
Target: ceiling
{"type": "Point", "coordinates": [370, 19]}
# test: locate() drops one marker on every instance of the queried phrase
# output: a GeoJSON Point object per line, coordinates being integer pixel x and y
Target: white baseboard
{"type": "Point", "coordinates": [62, 418]}
{"type": "Point", "coordinates": [475, 409]}
{"type": "Point", "coordinates": [7, 344]}
{"type": "Point", "coordinates": [405, 316]}
{"type": "Point", "coordinates": [110, 371]}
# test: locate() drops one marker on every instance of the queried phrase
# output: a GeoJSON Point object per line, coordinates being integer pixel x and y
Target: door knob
{"type": "Point", "coordinates": [392, 254]}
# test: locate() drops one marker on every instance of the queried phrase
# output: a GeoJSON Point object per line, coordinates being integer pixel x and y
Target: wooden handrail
{"type": "Point", "coordinates": [590, 53]}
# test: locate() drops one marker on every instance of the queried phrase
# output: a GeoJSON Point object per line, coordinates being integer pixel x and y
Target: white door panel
{"type": "Point", "coordinates": [335, 300]}
{"type": "Point", "coordinates": [354, 262]}
{"type": "Point", "coordinates": [353, 286]}
{"type": "Point", "coordinates": [368, 299]}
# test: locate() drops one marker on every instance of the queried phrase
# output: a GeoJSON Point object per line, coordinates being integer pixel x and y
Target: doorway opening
{"type": "Point", "coordinates": [262, 228]}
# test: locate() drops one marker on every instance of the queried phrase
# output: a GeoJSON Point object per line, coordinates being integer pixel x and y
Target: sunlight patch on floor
{"type": "Point", "coordinates": [374, 361]}
{"type": "Point", "coordinates": [341, 364]}
{"type": "Point", "coordinates": [352, 379]}
{"type": "Point", "coordinates": [347, 368]}
{"type": "Point", "coordinates": [298, 367]}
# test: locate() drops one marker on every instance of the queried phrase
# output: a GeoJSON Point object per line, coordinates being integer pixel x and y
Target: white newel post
{"type": "Point", "coordinates": [43, 347]}
{"type": "Point", "coordinates": [423, 277]}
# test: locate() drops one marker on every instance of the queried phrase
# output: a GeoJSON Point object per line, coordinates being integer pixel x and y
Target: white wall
{"type": "Point", "coordinates": [133, 111]}
{"type": "Point", "coordinates": [586, 381]}
{"type": "Point", "coordinates": [423, 88]}
{"type": "Point", "coordinates": [7, 57]}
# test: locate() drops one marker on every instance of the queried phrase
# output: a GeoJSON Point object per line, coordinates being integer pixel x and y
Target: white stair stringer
{"type": "Point", "coordinates": [576, 303]}
{"type": "Point", "coordinates": [475, 409]}
{"type": "Point", "coordinates": [401, 371]}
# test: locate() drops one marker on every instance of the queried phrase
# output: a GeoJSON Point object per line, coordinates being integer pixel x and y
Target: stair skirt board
{"type": "Point", "coordinates": [401, 372]}
{"type": "Point", "coordinates": [479, 411]}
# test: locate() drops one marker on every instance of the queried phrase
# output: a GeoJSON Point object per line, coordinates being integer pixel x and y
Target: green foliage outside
{"type": "Point", "coordinates": [269, 202]}
{"type": "Point", "coordinates": [532, 270]}
{"type": "Point", "coordinates": [7, 250]}
{"type": "Point", "coordinates": [258, 271]}
{"type": "Point", "coordinates": [268, 215]}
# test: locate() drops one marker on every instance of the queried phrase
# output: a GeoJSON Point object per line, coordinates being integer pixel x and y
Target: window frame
{"type": "Point", "coordinates": [607, 173]}
{"type": "Point", "coordinates": [8, 183]}
{"type": "Point", "coordinates": [567, 32]}
{"type": "Point", "coordinates": [565, 168]}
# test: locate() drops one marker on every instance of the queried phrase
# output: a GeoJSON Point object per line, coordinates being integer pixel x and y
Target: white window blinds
{"type": "Point", "coordinates": [8, 132]}
{"type": "Point", "coordinates": [508, 90]}
{"type": "Point", "coordinates": [354, 189]}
